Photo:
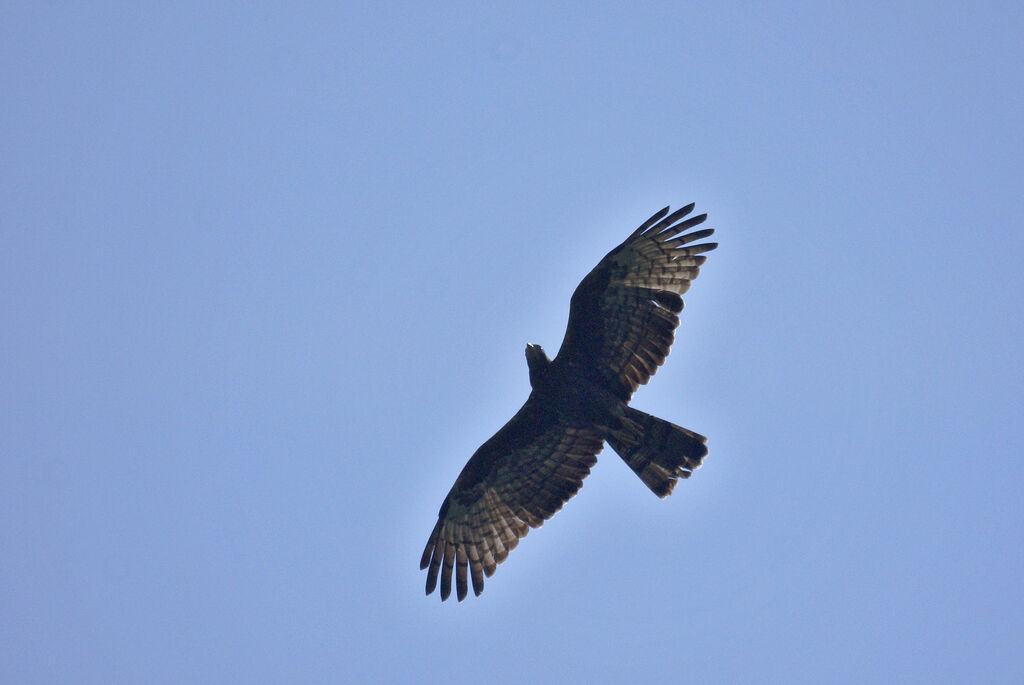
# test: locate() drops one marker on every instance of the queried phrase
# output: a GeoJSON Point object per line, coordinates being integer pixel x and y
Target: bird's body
{"type": "Point", "coordinates": [622, 320]}
{"type": "Point", "coordinates": [566, 391]}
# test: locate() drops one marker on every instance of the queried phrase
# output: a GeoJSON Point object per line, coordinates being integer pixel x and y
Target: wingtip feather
{"type": "Point", "coordinates": [703, 247]}
{"type": "Point", "coordinates": [651, 221]}
{"type": "Point", "coordinates": [667, 222]}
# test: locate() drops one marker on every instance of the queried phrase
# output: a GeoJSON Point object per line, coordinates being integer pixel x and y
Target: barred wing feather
{"type": "Point", "coordinates": [623, 315]}
{"type": "Point", "coordinates": [516, 480]}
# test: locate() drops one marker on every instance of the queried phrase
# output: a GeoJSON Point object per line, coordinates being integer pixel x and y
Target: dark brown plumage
{"type": "Point", "coordinates": [622, 320]}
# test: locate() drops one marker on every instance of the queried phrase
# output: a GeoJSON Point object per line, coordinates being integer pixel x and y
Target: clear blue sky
{"type": "Point", "coordinates": [266, 278]}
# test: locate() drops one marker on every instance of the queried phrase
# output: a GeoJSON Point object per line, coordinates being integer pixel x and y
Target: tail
{"type": "Point", "coordinates": [658, 451]}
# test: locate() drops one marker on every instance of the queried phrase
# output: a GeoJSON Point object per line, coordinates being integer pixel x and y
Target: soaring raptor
{"type": "Point", "coordinates": [622, 319]}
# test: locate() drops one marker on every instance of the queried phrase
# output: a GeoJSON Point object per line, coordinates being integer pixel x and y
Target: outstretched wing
{"type": "Point", "coordinates": [624, 314]}
{"type": "Point", "coordinates": [516, 480]}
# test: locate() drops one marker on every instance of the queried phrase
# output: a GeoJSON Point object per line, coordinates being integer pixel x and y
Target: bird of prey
{"type": "Point", "coordinates": [622, 319]}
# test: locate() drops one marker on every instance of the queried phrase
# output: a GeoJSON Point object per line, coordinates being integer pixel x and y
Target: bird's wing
{"type": "Point", "coordinates": [624, 313]}
{"type": "Point", "coordinates": [516, 480]}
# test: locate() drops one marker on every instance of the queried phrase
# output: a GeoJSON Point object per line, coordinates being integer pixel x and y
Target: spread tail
{"type": "Point", "coordinates": [658, 451]}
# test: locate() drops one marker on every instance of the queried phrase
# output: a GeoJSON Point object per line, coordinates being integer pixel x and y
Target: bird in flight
{"type": "Point", "coordinates": [622, 319]}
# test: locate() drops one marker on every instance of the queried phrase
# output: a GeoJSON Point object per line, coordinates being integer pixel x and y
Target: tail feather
{"type": "Point", "coordinates": [658, 451]}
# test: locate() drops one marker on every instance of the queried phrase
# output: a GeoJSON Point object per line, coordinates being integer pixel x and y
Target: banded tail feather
{"type": "Point", "coordinates": [659, 452]}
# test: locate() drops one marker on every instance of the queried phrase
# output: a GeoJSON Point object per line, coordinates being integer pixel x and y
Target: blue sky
{"type": "Point", "coordinates": [267, 276]}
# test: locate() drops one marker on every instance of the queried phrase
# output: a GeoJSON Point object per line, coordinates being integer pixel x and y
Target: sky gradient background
{"type": "Point", "coordinates": [266, 278]}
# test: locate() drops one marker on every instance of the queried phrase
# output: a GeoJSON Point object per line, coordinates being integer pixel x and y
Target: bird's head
{"type": "Point", "coordinates": [535, 353]}
{"type": "Point", "coordinates": [538, 362]}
